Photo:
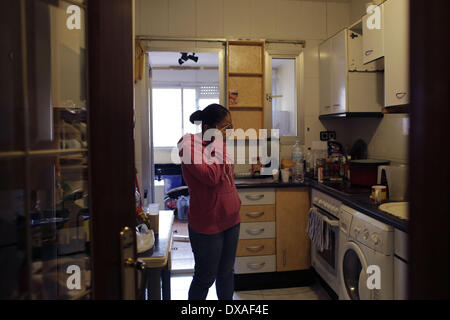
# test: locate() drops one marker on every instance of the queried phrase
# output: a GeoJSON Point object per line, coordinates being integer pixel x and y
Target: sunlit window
{"type": "Point", "coordinates": [172, 108]}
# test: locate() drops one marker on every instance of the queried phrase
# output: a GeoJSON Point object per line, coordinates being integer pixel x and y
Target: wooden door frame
{"type": "Point", "coordinates": [429, 228]}
{"type": "Point", "coordinates": [111, 138]}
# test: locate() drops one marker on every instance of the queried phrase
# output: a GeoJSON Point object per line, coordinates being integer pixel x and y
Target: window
{"type": "Point", "coordinates": [172, 107]}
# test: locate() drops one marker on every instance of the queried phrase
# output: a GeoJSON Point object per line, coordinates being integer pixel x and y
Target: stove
{"type": "Point", "coordinates": [346, 187]}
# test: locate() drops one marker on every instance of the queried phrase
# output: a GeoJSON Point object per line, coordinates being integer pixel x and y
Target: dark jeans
{"type": "Point", "coordinates": [214, 256]}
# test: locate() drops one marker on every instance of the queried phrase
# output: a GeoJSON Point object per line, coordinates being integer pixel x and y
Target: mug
{"type": "Point", "coordinates": [378, 194]}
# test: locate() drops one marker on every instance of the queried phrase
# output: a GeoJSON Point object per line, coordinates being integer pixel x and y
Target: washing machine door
{"type": "Point", "coordinates": [353, 273]}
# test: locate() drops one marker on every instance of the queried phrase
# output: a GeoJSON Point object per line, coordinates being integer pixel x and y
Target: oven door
{"type": "Point", "coordinates": [326, 262]}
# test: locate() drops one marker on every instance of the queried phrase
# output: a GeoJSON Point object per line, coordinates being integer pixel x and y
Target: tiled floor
{"type": "Point", "coordinates": [183, 267]}
{"type": "Point", "coordinates": [180, 287]}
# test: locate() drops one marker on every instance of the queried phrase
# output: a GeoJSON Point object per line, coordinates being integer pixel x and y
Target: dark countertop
{"type": "Point", "coordinates": [359, 202]}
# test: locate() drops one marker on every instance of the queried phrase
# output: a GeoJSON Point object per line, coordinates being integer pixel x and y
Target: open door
{"type": "Point", "coordinates": [66, 150]}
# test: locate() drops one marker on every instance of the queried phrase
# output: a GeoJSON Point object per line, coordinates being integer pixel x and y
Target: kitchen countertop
{"type": "Point", "coordinates": [359, 202]}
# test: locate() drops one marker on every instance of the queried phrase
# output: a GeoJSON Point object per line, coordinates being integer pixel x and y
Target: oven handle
{"type": "Point", "coordinates": [333, 223]}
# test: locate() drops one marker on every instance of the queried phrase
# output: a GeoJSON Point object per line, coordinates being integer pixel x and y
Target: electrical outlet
{"type": "Point", "coordinates": [332, 135]}
{"type": "Point", "coordinates": [324, 136]}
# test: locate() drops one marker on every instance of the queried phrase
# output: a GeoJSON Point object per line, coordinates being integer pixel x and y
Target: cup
{"type": "Point", "coordinates": [276, 175]}
{"type": "Point", "coordinates": [378, 194]}
{"type": "Point", "coordinates": [285, 175]}
{"type": "Point", "coordinates": [153, 213]}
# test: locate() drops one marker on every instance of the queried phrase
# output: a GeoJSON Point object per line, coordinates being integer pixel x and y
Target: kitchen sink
{"type": "Point", "coordinates": [398, 209]}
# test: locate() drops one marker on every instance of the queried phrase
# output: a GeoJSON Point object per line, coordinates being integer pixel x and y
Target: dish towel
{"type": "Point", "coordinates": [318, 230]}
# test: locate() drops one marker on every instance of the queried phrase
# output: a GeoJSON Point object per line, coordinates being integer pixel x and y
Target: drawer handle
{"type": "Point", "coordinates": [254, 214]}
{"type": "Point", "coordinates": [256, 266]}
{"type": "Point", "coordinates": [400, 95]}
{"type": "Point", "coordinates": [255, 248]}
{"type": "Point", "coordinates": [368, 52]}
{"type": "Point", "coordinates": [254, 232]}
{"type": "Point", "coordinates": [254, 197]}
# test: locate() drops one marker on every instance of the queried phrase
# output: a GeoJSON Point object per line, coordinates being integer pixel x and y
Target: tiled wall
{"type": "Point", "coordinates": [232, 19]}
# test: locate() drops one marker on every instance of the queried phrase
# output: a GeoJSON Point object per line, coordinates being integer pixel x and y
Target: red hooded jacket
{"type": "Point", "coordinates": [214, 202]}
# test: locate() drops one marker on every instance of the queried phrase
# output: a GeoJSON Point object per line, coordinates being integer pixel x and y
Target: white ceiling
{"type": "Point", "coordinates": [165, 59]}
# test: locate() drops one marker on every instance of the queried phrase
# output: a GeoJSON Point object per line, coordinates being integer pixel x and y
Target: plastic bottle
{"type": "Point", "coordinates": [297, 158]}
{"type": "Point", "coordinates": [308, 162]}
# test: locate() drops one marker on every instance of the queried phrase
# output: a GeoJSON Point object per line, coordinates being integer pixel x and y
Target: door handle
{"type": "Point", "coordinates": [255, 248]}
{"type": "Point", "coordinates": [254, 232]}
{"type": "Point", "coordinates": [254, 214]}
{"type": "Point", "coordinates": [254, 197]}
{"type": "Point", "coordinates": [256, 266]}
{"type": "Point", "coordinates": [138, 264]}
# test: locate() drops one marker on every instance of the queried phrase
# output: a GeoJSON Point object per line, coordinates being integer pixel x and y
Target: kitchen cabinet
{"type": "Point", "coordinates": [396, 49]}
{"type": "Point", "coordinates": [293, 244]}
{"type": "Point", "coordinates": [346, 84]}
{"type": "Point", "coordinates": [245, 82]}
{"type": "Point", "coordinates": [373, 42]}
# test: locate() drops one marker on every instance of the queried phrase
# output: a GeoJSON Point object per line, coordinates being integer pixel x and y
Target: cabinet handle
{"type": "Point", "coordinates": [337, 105]}
{"type": "Point", "coordinates": [284, 257]}
{"type": "Point", "coordinates": [254, 197]}
{"type": "Point", "coordinates": [400, 95]}
{"type": "Point", "coordinates": [255, 248]}
{"type": "Point", "coordinates": [254, 214]}
{"type": "Point", "coordinates": [327, 107]}
{"type": "Point", "coordinates": [368, 52]}
{"type": "Point", "coordinates": [254, 232]}
{"type": "Point", "coordinates": [255, 266]}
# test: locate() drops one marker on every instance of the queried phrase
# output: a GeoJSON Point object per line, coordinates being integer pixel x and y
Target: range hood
{"type": "Point", "coordinates": [350, 115]}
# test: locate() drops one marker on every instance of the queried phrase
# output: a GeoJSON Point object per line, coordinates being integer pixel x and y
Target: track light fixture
{"type": "Point", "coordinates": [185, 57]}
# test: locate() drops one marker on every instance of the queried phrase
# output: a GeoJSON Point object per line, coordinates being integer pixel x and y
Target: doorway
{"type": "Point", "coordinates": [181, 83]}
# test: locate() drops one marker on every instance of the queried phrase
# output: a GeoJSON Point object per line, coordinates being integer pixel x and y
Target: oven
{"type": "Point", "coordinates": [326, 262]}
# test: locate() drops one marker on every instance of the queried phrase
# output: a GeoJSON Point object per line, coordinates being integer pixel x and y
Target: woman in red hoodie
{"type": "Point", "coordinates": [214, 206]}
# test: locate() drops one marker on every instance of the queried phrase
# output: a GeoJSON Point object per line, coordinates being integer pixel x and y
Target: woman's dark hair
{"type": "Point", "coordinates": [211, 115]}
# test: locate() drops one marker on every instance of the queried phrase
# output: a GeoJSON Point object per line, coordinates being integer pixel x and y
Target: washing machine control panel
{"type": "Point", "coordinates": [372, 233]}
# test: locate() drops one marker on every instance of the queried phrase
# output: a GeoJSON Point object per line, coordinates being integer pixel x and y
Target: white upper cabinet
{"type": "Point", "coordinates": [373, 31]}
{"type": "Point", "coordinates": [339, 72]}
{"type": "Point", "coordinates": [346, 85]}
{"type": "Point", "coordinates": [325, 77]}
{"type": "Point", "coordinates": [396, 49]}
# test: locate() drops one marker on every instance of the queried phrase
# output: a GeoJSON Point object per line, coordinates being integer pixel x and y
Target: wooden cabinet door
{"type": "Point", "coordinates": [293, 244]}
{"type": "Point", "coordinates": [396, 49]}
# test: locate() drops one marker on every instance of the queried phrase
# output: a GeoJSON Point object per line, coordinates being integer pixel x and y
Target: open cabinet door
{"type": "Point", "coordinates": [66, 150]}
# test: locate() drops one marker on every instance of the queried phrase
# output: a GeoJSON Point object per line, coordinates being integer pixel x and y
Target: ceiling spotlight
{"type": "Point", "coordinates": [184, 57]}
{"type": "Point", "coordinates": [193, 57]}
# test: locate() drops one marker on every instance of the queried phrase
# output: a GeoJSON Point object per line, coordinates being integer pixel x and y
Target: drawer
{"type": "Point", "coordinates": [257, 196]}
{"type": "Point", "coordinates": [257, 230]}
{"type": "Point", "coordinates": [257, 213]}
{"type": "Point", "coordinates": [255, 264]}
{"type": "Point", "coordinates": [257, 247]}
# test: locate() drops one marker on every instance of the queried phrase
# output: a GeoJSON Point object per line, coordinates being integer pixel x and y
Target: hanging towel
{"type": "Point", "coordinates": [318, 230]}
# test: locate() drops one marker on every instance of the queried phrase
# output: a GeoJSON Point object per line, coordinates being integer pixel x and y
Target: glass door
{"type": "Point", "coordinates": [44, 187]}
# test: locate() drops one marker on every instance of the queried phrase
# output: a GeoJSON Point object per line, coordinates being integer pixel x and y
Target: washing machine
{"type": "Point", "coordinates": [366, 257]}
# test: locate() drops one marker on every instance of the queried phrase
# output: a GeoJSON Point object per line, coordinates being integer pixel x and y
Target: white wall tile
{"type": "Point", "coordinates": [210, 18]}
{"type": "Point", "coordinates": [313, 20]}
{"type": "Point", "coordinates": [311, 94]}
{"type": "Point", "coordinates": [263, 19]}
{"type": "Point", "coordinates": [311, 61]}
{"type": "Point", "coordinates": [182, 18]}
{"type": "Point", "coordinates": [338, 17]}
{"type": "Point", "coordinates": [152, 17]}
{"type": "Point", "coordinates": [288, 22]}
{"type": "Point", "coordinates": [236, 20]}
